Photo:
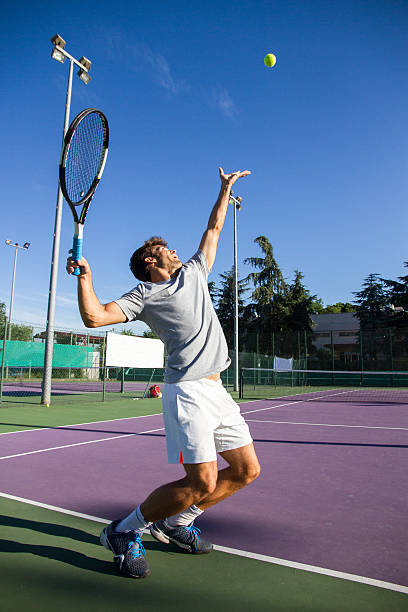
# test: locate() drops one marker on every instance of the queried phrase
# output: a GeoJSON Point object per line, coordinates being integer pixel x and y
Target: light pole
{"type": "Point", "coordinates": [236, 202]}
{"type": "Point", "coordinates": [7, 324]}
{"type": "Point", "coordinates": [59, 54]}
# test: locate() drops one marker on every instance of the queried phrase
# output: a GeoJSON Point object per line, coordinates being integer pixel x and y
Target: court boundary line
{"type": "Point", "coordinates": [239, 553]}
{"type": "Point", "coordinates": [141, 416]}
{"type": "Point", "coordinates": [328, 425]}
{"type": "Point", "coordinates": [292, 403]}
{"type": "Point", "coordinates": [53, 448]}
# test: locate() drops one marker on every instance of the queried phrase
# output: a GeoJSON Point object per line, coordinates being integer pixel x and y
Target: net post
{"type": "Point", "coordinates": [104, 366]}
{"type": "Point", "coordinates": [122, 381]}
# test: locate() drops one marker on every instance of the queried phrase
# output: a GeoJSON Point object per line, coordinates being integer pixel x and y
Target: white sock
{"type": "Point", "coordinates": [184, 518]}
{"type": "Point", "coordinates": [135, 520]}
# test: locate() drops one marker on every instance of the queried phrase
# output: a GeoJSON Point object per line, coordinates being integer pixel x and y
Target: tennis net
{"type": "Point", "coordinates": [324, 385]}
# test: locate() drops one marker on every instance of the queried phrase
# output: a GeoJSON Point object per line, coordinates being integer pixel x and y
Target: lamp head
{"type": "Point", "coordinates": [59, 44]}
{"type": "Point", "coordinates": [26, 245]}
{"type": "Point", "coordinates": [58, 40]}
{"type": "Point", "coordinates": [84, 76]}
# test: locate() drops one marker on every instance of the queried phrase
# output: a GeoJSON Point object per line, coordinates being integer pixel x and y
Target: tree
{"type": "Point", "coordinates": [21, 332]}
{"type": "Point", "coordinates": [213, 291]}
{"type": "Point", "coordinates": [267, 312]}
{"type": "Point", "coordinates": [127, 332]}
{"type": "Point", "coordinates": [225, 304]}
{"type": "Point", "coordinates": [398, 297]}
{"type": "Point", "coordinates": [372, 303]}
{"type": "Point", "coordinates": [300, 305]}
{"type": "Point", "coordinates": [319, 308]}
{"type": "Point", "coordinates": [149, 333]}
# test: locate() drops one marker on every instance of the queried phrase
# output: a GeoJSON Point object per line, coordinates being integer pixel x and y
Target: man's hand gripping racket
{"type": "Point", "coordinates": [82, 163]}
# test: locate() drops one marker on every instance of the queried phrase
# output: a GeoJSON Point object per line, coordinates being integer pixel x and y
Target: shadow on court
{"type": "Point", "coordinates": [66, 554]}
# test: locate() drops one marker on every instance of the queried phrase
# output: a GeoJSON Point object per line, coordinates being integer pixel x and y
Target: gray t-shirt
{"type": "Point", "coordinates": [181, 313]}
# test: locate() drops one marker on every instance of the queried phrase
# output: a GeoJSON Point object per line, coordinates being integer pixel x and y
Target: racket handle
{"type": "Point", "coordinates": [77, 253]}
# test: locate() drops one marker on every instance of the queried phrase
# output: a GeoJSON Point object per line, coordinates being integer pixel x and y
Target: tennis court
{"type": "Point", "coordinates": [323, 528]}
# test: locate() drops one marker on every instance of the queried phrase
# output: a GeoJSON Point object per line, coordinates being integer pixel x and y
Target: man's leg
{"type": "Point", "coordinates": [199, 483]}
{"type": "Point", "coordinates": [123, 538]}
{"type": "Point", "coordinates": [243, 469]}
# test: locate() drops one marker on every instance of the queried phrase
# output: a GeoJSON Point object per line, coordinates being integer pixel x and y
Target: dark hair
{"type": "Point", "coordinates": [137, 261]}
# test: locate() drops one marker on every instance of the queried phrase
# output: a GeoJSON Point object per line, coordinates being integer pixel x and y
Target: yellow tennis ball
{"type": "Point", "coordinates": [269, 60]}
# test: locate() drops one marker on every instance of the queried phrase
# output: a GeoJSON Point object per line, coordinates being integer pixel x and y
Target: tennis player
{"type": "Point", "coordinates": [201, 419]}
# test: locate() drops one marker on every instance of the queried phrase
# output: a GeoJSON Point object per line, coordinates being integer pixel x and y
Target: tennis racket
{"type": "Point", "coordinates": [82, 163]}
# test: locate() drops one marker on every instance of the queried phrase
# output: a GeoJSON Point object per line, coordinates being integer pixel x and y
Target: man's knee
{"type": "Point", "coordinates": [202, 485]}
{"type": "Point", "coordinates": [247, 473]}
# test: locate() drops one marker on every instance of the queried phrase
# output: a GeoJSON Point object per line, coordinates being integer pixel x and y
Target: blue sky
{"type": "Point", "coordinates": [185, 90]}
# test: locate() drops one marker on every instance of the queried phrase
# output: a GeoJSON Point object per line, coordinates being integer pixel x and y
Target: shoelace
{"type": "Point", "coordinates": [194, 531]}
{"type": "Point", "coordinates": [136, 552]}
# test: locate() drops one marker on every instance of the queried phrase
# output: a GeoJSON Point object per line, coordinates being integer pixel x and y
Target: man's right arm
{"type": "Point", "coordinates": [93, 313]}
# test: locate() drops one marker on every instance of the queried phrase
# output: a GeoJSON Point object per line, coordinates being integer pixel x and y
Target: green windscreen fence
{"type": "Point", "coordinates": [31, 354]}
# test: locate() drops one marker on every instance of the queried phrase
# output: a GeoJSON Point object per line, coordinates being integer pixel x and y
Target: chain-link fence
{"type": "Point", "coordinates": [88, 383]}
{"type": "Point", "coordinates": [78, 359]}
{"type": "Point", "coordinates": [380, 350]}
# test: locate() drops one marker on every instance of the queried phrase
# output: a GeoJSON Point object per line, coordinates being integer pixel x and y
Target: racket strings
{"type": "Point", "coordinates": [85, 157]}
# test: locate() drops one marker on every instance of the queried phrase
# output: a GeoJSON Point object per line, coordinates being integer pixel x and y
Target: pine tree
{"type": "Point", "coordinates": [372, 303]}
{"type": "Point", "coordinates": [300, 305]}
{"type": "Point", "coordinates": [268, 311]}
{"type": "Point", "coordinates": [398, 297]}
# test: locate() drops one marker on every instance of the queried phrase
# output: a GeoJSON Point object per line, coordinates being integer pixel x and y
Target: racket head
{"type": "Point", "coordinates": [83, 157]}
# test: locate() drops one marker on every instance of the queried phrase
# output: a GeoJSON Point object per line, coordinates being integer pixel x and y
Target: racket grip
{"type": "Point", "coordinates": [76, 253]}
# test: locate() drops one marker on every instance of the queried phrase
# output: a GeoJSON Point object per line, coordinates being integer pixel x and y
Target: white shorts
{"type": "Point", "coordinates": [201, 420]}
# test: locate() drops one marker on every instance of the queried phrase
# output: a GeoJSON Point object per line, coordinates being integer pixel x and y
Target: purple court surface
{"type": "Point", "coordinates": [332, 492]}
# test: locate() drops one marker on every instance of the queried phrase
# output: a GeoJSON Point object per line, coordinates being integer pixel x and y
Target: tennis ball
{"type": "Point", "coordinates": [47, 405]}
{"type": "Point", "coordinates": [269, 60]}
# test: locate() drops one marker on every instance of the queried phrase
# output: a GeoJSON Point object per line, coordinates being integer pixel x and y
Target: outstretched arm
{"type": "Point", "coordinates": [93, 313]}
{"type": "Point", "coordinates": [209, 241]}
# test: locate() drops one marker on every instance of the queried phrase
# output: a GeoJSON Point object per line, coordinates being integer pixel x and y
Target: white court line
{"type": "Point", "coordinates": [46, 450]}
{"type": "Point", "coordinates": [239, 553]}
{"type": "Point", "coordinates": [142, 416]}
{"type": "Point", "coordinates": [326, 424]}
{"type": "Point", "coordinates": [310, 399]}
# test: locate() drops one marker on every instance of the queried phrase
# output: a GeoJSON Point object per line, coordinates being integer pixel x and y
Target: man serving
{"type": "Point", "coordinates": [201, 419]}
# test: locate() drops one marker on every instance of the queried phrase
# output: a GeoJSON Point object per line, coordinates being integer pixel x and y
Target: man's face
{"type": "Point", "coordinates": [166, 258]}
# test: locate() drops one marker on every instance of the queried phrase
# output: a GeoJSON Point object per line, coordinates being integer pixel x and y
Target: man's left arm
{"type": "Point", "coordinates": [209, 241]}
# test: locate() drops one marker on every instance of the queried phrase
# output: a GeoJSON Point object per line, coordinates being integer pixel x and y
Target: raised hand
{"type": "Point", "coordinates": [229, 179]}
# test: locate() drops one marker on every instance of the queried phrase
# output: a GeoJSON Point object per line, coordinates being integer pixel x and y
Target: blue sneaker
{"type": "Point", "coordinates": [128, 550]}
{"type": "Point", "coordinates": [186, 537]}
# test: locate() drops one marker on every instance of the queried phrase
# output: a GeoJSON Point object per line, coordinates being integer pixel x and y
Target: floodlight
{"type": "Point", "coordinates": [84, 76]}
{"type": "Point", "coordinates": [238, 206]}
{"type": "Point", "coordinates": [59, 45]}
{"type": "Point", "coordinates": [57, 55]}
{"type": "Point", "coordinates": [58, 40]}
{"type": "Point", "coordinates": [86, 63]}
{"type": "Point", "coordinates": [83, 73]}
{"type": "Point", "coordinates": [8, 241]}
{"type": "Point", "coordinates": [26, 245]}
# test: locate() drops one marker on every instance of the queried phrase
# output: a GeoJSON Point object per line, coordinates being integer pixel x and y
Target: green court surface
{"type": "Point", "coordinates": [53, 561]}
{"type": "Point", "coordinates": [27, 413]}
